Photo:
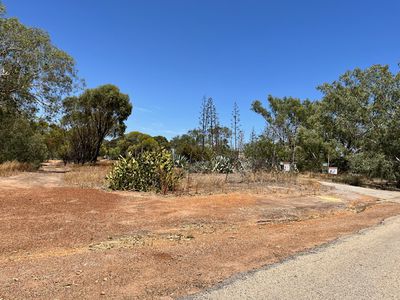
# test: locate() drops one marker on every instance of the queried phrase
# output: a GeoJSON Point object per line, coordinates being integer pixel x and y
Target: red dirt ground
{"type": "Point", "coordinates": [71, 243]}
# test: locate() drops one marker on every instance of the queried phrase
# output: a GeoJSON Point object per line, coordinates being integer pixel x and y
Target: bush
{"type": "Point", "coordinates": [350, 179]}
{"type": "Point", "coordinates": [373, 165]}
{"type": "Point", "coordinates": [146, 172]}
{"type": "Point", "coordinates": [221, 164]}
{"type": "Point", "coordinates": [19, 141]}
{"type": "Point", "coordinates": [180, 161]}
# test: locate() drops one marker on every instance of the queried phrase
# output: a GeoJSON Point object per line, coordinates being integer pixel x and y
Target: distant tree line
{"type": "Point", "coordinates": [45, 112]}
{"type": "Point", "coordinates": [355, 126]}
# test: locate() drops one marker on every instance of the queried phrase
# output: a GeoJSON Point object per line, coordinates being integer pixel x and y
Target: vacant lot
{"type": "Point", "coordinates": [59, 241]}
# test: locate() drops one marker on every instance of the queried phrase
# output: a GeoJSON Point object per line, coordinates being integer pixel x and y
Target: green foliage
{"type": "Point", "coordinates": [351, 179]}
{"type": "Point", "coordinates": [201, 167]}
{"type": "Point", "coordinates": [146, 172]}
{"type": "Point", "coordinates": [134, 142]}
{"type": "Point", "coordinates": [284, 119]}
{"type": "Point", "coordinates": [64, 152]}
{"type": "Point", "coordinates": [218, 164]}
{"type": "Point", "coordinates": [188, 146]}
{"type": "Point", "coordinates": [2, 9]}
{"type": "Point", "coordinates": [222, 164]}
{"type": "Point", "coordinates": [19, 141]}
{"type": "Point", "coordinates": [145, 145]}
{"type": "Point", "coordinates": [137, 142]}
{"type": "Point", "coordinates": [54, 138]}
{"type": "Point", "coordinates": [114, 153]}
{"type": "Point", "coordinates": [361, 112]}
{"type": "Point", "coordinates": [162, 142]}
{"type": "Point", "coordinates": [261, 153]}
{"type": "Point", "coordinates": [313, 150]}
{"type": "Point", "coordinates": [34, 73]}
{"type": "Point", "coordinates": [181, 161]}
{"type": "Point", "coordinates": [93, 116]}
{"type": "Point", "coordinates": [356, 126]}
{"type": "Point", "coordinates": [373, 165]}
{"type": "Point", "coordinates": [34, 76]}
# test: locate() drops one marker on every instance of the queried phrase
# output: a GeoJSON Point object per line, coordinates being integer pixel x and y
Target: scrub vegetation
{"type": "Point", "coordinates": [46, 113]}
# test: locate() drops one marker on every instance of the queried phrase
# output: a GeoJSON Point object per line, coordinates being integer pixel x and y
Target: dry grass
{"type": "Point", "coordinates": [88, 176]}
{"type": "Point", "coordinates": [14, 167]}
{"type": "Point", "coordinates": [261, 182]}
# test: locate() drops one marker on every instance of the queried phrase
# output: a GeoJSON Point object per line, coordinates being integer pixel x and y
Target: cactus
{"type": "Point", "coordinates": [149, 171]}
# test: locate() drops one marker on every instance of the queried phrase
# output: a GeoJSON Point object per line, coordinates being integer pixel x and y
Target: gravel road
{"type": "Point", "coordinates": [381, 194]}
{"type": "Point", "coordinates": [362, 266]}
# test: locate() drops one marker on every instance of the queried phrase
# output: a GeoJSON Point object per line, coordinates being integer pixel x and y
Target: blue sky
{"type": "Point", "coordinates": [168, 54]}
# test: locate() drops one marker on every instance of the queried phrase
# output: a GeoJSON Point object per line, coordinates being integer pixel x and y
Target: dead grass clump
{"type": "Point", "coordinates": [14, 167]}
{"type": "Point", "coordinates": [105, 162]}
{"type": "Point", "coordinates": [87, 176]}
{"type": "Point", "coordinates": [276, 178]}
{"type": "Point", "coordinates": [206, 183]}
{"type": "Point", "coordinates": [259, 182]}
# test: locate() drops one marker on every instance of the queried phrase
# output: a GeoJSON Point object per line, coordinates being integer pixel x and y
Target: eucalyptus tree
{"type": "Point", "coordinates": [34, 74]}
{"type": "Point", "coordinates": [91, 117]}
{"type": "Point", "coordinates": [361, 112]}
{"type": "Point", "coordinates": [283, 119]}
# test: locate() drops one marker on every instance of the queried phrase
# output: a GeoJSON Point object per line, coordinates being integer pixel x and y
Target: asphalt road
{"type": "Point", "coordinates": [362, 266]}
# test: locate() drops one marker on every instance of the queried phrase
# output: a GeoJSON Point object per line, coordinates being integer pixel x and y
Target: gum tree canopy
{"type": "Point", "coordinates": [91, 117]}
{"type": "Point", "coordinates": [34, 74]}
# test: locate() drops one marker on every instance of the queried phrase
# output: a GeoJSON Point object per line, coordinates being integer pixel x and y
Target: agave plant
{"type": "Point", "coordinates": [221, 164]}
{"type": "Point", "coordinates": [201, 167]}
{"type": "Point", "coordinates": [181, 161]}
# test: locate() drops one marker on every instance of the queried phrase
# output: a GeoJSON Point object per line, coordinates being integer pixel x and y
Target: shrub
{"type": "Point", "coordinates": [351, 179]}
{"type": "Point", "coordinates": [180, 161]}
{"type": "Point", "coordinates": [146, 172]}
{"type": "Point", "coordinates": [19, 141]}
{"type": "Point", "coordinates": [201, 167]}
{"type": "Point", "coordinates": [221, 164]}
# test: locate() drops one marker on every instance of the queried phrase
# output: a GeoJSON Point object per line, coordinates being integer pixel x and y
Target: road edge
{"type": "Point", "coordinates": [244, 275]}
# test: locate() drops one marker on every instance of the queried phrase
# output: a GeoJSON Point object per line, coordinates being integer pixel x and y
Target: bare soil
{"type": "Point", "coordinates": [72, 243]}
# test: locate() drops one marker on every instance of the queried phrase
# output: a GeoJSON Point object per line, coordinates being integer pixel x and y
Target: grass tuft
{"type": "Point", "coordinates": [10, 168]}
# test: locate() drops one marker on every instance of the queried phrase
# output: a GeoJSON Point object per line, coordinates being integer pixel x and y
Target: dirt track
{"type": "Point", "coordinates": [68, 243]}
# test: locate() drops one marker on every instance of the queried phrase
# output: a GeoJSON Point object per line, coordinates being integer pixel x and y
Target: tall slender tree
{"type": "Point", "coordinates": [236, 127]}
{"type": "Point", "coordinates": [203, 122]}
{"type": "Point", "coordinates": [241, 141]}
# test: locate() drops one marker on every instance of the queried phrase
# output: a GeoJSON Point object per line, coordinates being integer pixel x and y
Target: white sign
{"type": "Point", "coordinates": [332, 170]}
{"type": "Point", "coordinates": [286, 167]}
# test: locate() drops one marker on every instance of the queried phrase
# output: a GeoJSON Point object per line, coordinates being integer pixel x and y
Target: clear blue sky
{"type": "Point", "coordinates": [168, 54]}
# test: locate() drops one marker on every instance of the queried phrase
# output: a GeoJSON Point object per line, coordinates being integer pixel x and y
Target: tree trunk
{"type": "Point", "coordinates": [96, 152]}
